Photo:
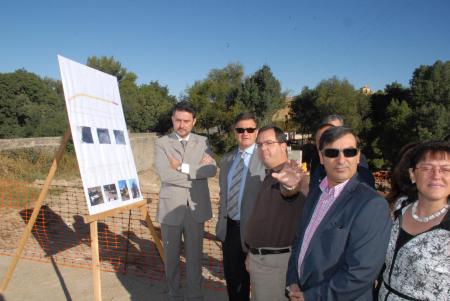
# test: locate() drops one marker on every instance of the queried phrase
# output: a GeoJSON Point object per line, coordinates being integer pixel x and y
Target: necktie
{"type": "Point", "coordinates": [183, 144]}
{"type": "Point", "coordinates": [233, 194]}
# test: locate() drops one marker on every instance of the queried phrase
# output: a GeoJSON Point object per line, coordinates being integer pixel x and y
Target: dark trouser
{"type": "Point", "coordinates": [236, 276]}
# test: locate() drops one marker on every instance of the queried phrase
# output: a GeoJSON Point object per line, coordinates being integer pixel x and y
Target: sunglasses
{"type": "Point", "coordinates": [334, 152]}
{"type": "Point", "coordinates": [242, 130]}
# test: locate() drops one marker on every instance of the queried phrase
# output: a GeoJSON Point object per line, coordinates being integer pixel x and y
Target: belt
{"type": "Point", "coordinates": [261, 251]}
{"type": "Point", "coordinates": [234, 222]}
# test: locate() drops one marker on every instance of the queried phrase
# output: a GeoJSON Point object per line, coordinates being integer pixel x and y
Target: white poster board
{"type": "Point", "coordinates": [100, 137]}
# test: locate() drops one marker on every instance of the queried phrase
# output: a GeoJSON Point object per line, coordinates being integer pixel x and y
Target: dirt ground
{"type": "Point", "coordinates": [34, 280]}
{"type": "Point", "coordinates": [46, 281]}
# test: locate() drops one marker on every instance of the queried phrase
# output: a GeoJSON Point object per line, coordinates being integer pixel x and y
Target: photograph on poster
{"type": "Point", "coordinates": [103, 136]}
{"type": "Point", "coordinates": [95, 195]}
{"type": "Point", "coordinates": [86, 134]}
{"type": "Point", "coordinates": [111, 192]}
{"type": "Point", "coordinates": [120, 138]}
{"type": "Point", "coordinates": [134, 188]}
{"type": "Point", "coordinates": [124, 192]}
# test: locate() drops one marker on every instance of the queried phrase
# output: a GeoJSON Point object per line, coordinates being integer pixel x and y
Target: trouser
{"type": "Point", "coordinates": [236, 276]}
{"type": "Point", "coordinates": [192, 232]}
{"type": "Point", "coordinates": [268, 276]}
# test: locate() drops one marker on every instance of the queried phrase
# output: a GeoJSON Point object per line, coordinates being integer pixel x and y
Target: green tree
{"type": "Point", "coordinates": [215, 97]}
{"type": "Point", "coordinates": [261, 94]}
{"type": "Point", "coordinates": [384, 139]}
{"type": "Point", "coordinates": [30, 106]}
{"type": "Point", "coordinates": [155, 105]}
{"type": "Point", "coordinates": [108, 65]}
{"type": "Point", "coordinates": [332, 96]}
{"type": "Point", "coordinates": [396, 130]}
{"type": "Point", "coordinates": [430, 88]}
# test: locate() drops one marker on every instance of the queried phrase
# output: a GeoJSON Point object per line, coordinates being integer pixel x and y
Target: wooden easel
{"type": "Point", "coordinates": [91, 219]}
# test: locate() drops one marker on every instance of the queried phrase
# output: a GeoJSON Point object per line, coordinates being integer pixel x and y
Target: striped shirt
{"type": "Point", "coordinates": [326, 200]}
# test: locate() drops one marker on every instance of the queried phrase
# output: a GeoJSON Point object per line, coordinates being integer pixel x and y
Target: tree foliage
{"type": "Point", "coordinates": [30, 106]}
{"type": "Point", "coordinates": [332, 96]}
{"type": "Point", "coordinates": [385, 121]}
{"type": "Point", "coordinates": [261, 94]}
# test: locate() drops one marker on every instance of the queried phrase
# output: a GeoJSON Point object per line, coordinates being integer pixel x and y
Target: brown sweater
{"type": "Point", "coordinates": [273, 222]}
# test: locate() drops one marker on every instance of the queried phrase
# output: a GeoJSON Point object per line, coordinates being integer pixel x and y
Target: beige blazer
{"type": "Point", "coordinates": [179, 189]}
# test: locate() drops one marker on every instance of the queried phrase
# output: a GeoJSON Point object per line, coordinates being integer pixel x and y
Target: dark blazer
{"type": "Point", "coordinates": [253, 181]}
{"type": "Point", "coordinates": [347, 251]}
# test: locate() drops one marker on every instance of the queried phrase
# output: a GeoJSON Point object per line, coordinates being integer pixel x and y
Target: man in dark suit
{"type": "Point", "coordinates": [344, 230]}
{"type": "Point", "coordinates": [183, 161]}
{"type": "Point", "coordinates": [239, 186]}
{"type": "Point", "coordinates": [317, 172]}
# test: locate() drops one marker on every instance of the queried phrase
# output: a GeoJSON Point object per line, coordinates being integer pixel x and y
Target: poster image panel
{"type": "Point", "coordinates": [135, 193]}
{"type": "Point", "coordinates": [110, 192]}
{"type": "Point", "coordinates": [100, 137]}
{"type": "Point", "coordinates": [103, 136]}
{"type": "Point", "coordinates": [86, 134]}
{"type": "Point", "coordinates": [120, 138]}
{"type": "Point", "coordinates": [124, 191]}
{"type": "Point", "coordinates": [95, 196]}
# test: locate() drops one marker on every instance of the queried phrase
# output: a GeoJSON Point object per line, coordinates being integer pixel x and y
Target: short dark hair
{"type": "Point", "coordinates": [279, 134]}
{"type": "Point", "coordinates": [412, 154]}
{"type": "Point", "coordinates": [334, 133]}
{"type": "Point", "coordinates": [322, 126]}
{"type": "Point", "coordinates": [245, 116]}
{"type": "Point", "coordinates": [184, 106]}
{"type": "Point", "coordinates": [437, 149]}
{"type": "Point", "coordinates": [332, 117]}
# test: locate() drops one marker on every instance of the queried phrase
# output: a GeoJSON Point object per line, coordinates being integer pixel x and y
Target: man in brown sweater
{"type": "Point", "coordinates": [273, 221]}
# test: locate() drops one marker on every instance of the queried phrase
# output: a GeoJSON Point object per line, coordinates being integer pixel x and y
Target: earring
{"type": "Point", "coordinates": [413, 181]}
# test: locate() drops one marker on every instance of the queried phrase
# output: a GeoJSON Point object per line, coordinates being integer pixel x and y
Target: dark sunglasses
{"type": "Point", "coordinates": [242, 130]}
{"type": "Point", "coordinates": [334, 152]}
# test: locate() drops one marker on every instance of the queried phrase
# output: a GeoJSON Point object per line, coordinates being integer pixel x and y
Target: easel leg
{"type": "Point", "coordinates": [151, 227]}
{"type": "Point", "coordinates": [37, 208]}
{"type": "Point", "coordinates": [95, 262]}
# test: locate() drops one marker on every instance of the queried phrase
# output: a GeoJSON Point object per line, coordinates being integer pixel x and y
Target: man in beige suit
{"type": "Point", "coordinates": [183, 161]}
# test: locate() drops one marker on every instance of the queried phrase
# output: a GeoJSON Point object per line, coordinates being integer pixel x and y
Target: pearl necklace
{"type": "Point", "coordinates": [427, 218]}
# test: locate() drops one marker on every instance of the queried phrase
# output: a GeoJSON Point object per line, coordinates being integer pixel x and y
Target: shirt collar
{"type": "Point", "coordinates": [180, 139]}
{"type": "Point", "coordinates": [249, 150]}
{"type": "Point", "coordinates": [335, 190]}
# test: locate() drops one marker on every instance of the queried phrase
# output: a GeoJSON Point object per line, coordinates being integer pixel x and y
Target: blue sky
{"type": "Point", "coordinates": [179, 42]}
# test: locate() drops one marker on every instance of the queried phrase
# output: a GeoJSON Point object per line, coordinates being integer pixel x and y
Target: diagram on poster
{"type": "Point", "coordinates": [100, 137]}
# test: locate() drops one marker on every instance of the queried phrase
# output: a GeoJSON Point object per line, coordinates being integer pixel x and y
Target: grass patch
{"type": "Point", "coordinates": [30, 164]}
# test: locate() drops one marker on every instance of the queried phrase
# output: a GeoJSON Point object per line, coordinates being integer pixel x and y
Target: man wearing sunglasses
{"type": "Point", "coordinates": [239, 184]}
{"type": "Point", "coordinates": [318, 171]}
{"type": "Point", "coordinates": [344, 230]}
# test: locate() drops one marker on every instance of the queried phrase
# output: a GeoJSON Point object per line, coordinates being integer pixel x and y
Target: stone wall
{"type": "Point", "coordinates": [142, 145]}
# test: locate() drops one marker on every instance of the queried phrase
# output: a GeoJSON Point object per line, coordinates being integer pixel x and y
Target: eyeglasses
{"type": "Point", "coordinates": [429, 169]}
{"type": "Point", "coordinates": [242, 130]}
{"type": "Point", "coordinates": [267, 143]}
{"type": "Point", "coordinates": [334, 152]}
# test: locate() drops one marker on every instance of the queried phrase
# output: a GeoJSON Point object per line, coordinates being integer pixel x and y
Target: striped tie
{"type": "Point", "coordinates": [233, 194]}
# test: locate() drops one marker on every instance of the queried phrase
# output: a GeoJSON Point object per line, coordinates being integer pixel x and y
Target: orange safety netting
{"type": "Point", "coordinates": [61, 236]}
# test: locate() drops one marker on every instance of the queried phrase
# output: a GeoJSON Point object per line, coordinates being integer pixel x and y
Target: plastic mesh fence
{"type": "Point", "coordinates": [60, 234]}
